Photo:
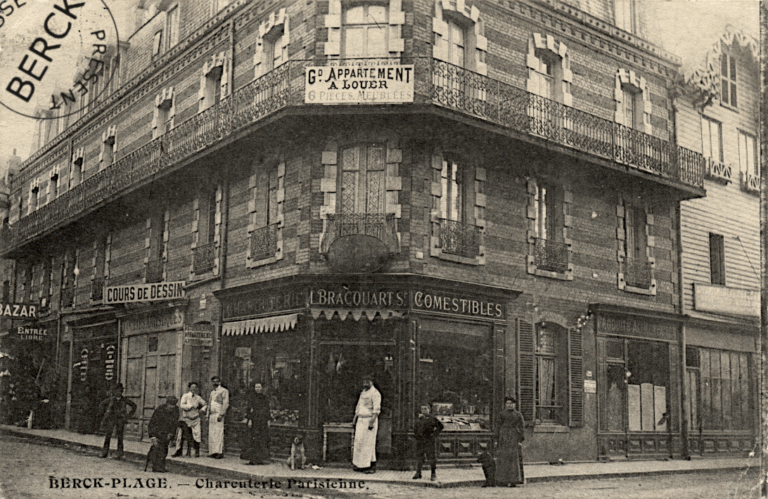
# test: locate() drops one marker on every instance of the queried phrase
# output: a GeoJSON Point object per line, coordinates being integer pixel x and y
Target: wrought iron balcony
{"type": "Point", "coordinates": [154, 271]}
{"type": "Point", "coordinates": [750, 183]}
{"type": "Point", "coordinates": [435, 83]}
{"type": "Point", "coordinates": [378, 225]}
{"type": "Point", "coordinates": [202, 258]}
{"type": "Point", "coordinates": [459, 238]}
{"type": "Point", "coordinates": [638, 274]}
{"type": "Point", "coordinates": [264, 242]}
{"type": "Point", "coordinates": [550, 255]}
{"type": "Point", "coordinates": [97, 288]}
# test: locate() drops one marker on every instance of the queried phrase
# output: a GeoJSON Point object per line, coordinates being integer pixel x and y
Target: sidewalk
{"type": "Point", "coordinates": [233, 468]}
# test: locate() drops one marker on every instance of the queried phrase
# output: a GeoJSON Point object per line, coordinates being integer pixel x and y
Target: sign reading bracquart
{"type": "Point", "coordinates": [144, 292]}
{"type": "Point", "coordinates": [366, 82]}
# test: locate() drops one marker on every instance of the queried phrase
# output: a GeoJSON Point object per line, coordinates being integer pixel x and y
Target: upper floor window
{"type": "Point", "coordinates": [172, 26]}
{"type": "Point", "coordinates": [636, 237]}
{"type": "Point", "coordinates": [459, 36]}
{"type": "Point", "coordinates": [455, 44]}
{"type": "Point", "coordinates": [717, 259]}
{"type": "Point", "coordinates": [545, 75]}
{"type": "Point", "coordinates": [633, 102]}
{"type": "Point", "coordinates": [211, 90]}
{"type": "Point", "coordinates": [363, 179]}
{"type": "Point", "coordinates": [549, 212]}
{"type": "Point", "coordinates": [549, 74]}
{"type": "Point", "coordinates": [164, 113]}
{"type": "Point", "coordinates": [748, 155]}
{"type": "Point", "coordinates": [551, 372]}
{"type": "Point", "coordinates": [157, 44]}
{"type": "Point", "coordinates": [76, 172]}
{"type": "Point", "coordinates": [712, 139]}
{"type": "Point", "coordinates": [34, 191]}
{"type": "Point", "coordinates": [108, 148]}
{"type": "Point", "coordinates": [364, 31]}
{"type": "Point", "coordinates": [728, 80]}
{"type": "Point", "coordinates": [53, 186]}
{"type": "Point", "coordinates": [452, 183]}
{"type": "Point", "coordinates": [625, 15]}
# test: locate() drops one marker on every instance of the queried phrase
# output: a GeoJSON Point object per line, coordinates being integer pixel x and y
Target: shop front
{"type": "Point", "coordinates": [94, 368]}
{"type": "Point", "coordinates": [151, 349]}
{"type": "Point", "coordinates": [310, 343]}
{"type": "Point", "coordinates": [638, 383]}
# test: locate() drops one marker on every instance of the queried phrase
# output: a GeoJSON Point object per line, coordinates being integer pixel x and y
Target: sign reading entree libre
{"type": "Point", "coordinates": [144, 292]}
{"type": "Point", "coordinates": [378, 83]}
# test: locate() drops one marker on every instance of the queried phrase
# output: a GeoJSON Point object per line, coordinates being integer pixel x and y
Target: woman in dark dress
{"type": "Point", "coordinates": [509, 437]}
{"type": "Point", "coordinates": [257, 413]}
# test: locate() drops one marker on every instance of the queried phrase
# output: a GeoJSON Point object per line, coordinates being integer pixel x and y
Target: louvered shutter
{"type": "Point", "coordinates": [527, 370]}
{"type": "Point", "coordinates": [498, 367]}
{"type": "Point", "coordinates": [576, 377]}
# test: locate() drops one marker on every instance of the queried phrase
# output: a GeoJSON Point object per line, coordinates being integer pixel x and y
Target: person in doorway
{"type": "Point", "coordinates": [257, 413]}
{"type": "Point", "coordinates": [192, 407]}
{"type": "Point", "coordinates": [366, 424]}
{"type": "Point", "coordinates": [219, 403]}
{"type": "Point", "coordinates": [509, 439]}
{"type": "Point", "coordinates": [426, 430]}
{"type": "Point", "coordinates": [162, 428]}
{"type": "Point", "coordinates": [116, 412]}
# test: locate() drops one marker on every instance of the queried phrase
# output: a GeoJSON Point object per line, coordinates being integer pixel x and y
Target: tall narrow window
{"type": "Point", "coordinates": [452, 199]}
{"type": "Point", "coordinates": [211, 217]}
{"type": "Point", "coordinates": [109, 152]}
{"type": "Point", "coordinates": [544, 76]}
{"type": "Point", "coordinates": [157, 44]}
{"type": "Point", "coordinates": [172, 26]}
{"type": "Point", "coordinates": [546, 374]}
{"type": "Point", "coordinates": [637, 238]}
{"type": "Point", "coordinates": [728, 80]}
{"type": "Point", "coordinates": [53, 186]}
{"type": "Point", "coordinates": [363, 179]}
{"type": "Point", "coordinates": [549, 221]}
{"type": "Point", "coordinates": [748, 155]}
{"type": "Point", "coordinates": [717, 259]}
{"type": "Point", "coordinates": [364, 31]}
{"type": "Point", "coordinates": [456, 44]}
{"type": "Point", "coordinates": [712, 139]}
{"type": "Point", "coordinates": [77, 171]}
{"type": "Point", "coordinates": [625, 15]}
{"type": "Point", "coordinates": [212, 87]}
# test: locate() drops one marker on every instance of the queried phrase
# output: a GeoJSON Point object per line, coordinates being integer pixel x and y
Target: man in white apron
{"type": "Point", "coordinates": [366, 425]}
{"type": "Point", "coordinates": [219, 404]}
{"type": "Point", "coordinates": [192, 407]}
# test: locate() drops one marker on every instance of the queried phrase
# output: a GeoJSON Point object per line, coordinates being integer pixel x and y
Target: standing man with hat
{"type": "Point", "coordinates": [116, 413]}
{"type": "Point", "coordinates": [219, 403]}
{"type": "Point", "coordinates": [162, 428]}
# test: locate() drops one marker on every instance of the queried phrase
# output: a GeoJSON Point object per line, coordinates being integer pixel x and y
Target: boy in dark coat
{"type": "Point", "coordinates": [162, 428]}
{"type": "Point", "coordinates": [116, 409]}
{"type": "Point", "coordinates": [426, 429]}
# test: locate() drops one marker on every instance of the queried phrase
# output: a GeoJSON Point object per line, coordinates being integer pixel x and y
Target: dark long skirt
{"type": "Point", "coordinates": [257, 443]}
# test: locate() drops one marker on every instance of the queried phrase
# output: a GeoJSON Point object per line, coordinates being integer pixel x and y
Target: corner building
{"type": "Point", "coordinates": [464, 199]}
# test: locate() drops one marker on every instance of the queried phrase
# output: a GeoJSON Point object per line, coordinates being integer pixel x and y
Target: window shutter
{"type": "Point", "coordinates": [602, 381]}
{"type": "Point", "coordinates": [527, 370]}
{"type": "Point", "coordinates": [498, 367]}
{"type": "Point", "coordinates": [674, 393]}
{"type": "Point", "coordinates": [576, 377]}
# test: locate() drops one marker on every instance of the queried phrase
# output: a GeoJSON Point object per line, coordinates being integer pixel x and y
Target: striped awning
{"type": "Point", "coordinates": [264, 325]}
{"type": "Point", "coordinates": [355, 313]}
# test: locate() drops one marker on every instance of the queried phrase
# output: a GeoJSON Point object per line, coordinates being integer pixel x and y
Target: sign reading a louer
{"type": "Point", "coordinates": [359, 84]}
{"type": "Point", "coordinates": [144, 292]}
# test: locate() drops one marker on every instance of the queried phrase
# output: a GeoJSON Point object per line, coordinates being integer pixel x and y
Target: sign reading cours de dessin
{"type": "Point", "coordinates": [364, 82]}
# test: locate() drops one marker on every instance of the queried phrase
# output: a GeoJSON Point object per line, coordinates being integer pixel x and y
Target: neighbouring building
{"type": "Point", "coordinates": [464, 199]}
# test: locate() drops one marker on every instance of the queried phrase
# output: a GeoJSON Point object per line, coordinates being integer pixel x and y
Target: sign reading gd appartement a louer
{"type": "Point", "coordinates": [361, 82]}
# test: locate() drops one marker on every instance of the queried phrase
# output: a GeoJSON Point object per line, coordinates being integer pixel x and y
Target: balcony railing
{"type": "Point", "coordinates": [264, 242]}
{"type": "Point", "coordinates": [719, 171]}
{"type": "Point", "coordinates": [378, 225]}
{"type": "Point", "coordinates": [202, 258]}
{"type": "Point", "coordinates": [435, 82]}
{"type": "Point", "coordinates": [551, 256]}
{"type": "Point", "coordinates": [638, 274]}
{"type": "Point", "coordinates": [459, 238]}
{"type": "Point", "coordinates": [154, 271]}
{"type": "Point", "coordinates": [750, 183]}
{"type": "Point", "coordinates": [97, 288]}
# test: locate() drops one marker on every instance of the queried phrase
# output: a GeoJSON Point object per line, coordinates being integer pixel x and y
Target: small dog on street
{"type": "Point", "coordinates": [297, 457]}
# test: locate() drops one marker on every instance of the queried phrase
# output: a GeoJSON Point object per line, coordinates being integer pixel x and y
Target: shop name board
{"type": "Point", "coordinates": [158, 321]}
{"type": "Point", "coordinates": [25, 310]}
{"type": "Point", "coordinates": [441, 302]}
{"type": "Point", "coordinates": [144, 292]}
{"type": "Point", "coordinates": [361, 84]}
{"type": "Point", "coordinates": [247, 305]}
{"type": "Point", "coordinates": [356, 299]}
{"type": "Point", "coordinates": [199, 335]}
{"type": "Point", "coordinates": [32, 333]}
{"type": "Point", "coordinates": [109, 363]}
{"type": "Point", "coordinates": [634, 327]}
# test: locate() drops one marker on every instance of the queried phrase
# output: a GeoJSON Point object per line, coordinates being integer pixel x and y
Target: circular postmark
{"type": "Point", "coordinates": [55, 55]}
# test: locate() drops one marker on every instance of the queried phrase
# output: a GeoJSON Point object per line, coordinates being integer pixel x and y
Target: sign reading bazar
{"type": "Point", "coordinates": [457, 304]}
{"type": "Point", "coordinates": [22, 310]}
{"type": "Point", "coordinates": [144, 292]}
{"type": "Point", "coordinates": [365, 82]}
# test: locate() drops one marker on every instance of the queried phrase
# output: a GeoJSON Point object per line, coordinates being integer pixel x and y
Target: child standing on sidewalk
{"type": "Point", "coordinates": [426, 430]}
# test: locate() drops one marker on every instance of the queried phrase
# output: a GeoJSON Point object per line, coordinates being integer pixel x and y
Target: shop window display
{"type": "Point", "coordinates": [277, 361]}
{"type": "Point", "coordinates": [455, 378]}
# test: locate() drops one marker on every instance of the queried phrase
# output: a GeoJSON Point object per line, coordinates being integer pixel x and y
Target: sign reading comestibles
{"type": "Point", "coordinates": [144, 292]}
{"type": "Point", "coordinates": [366, 82]}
